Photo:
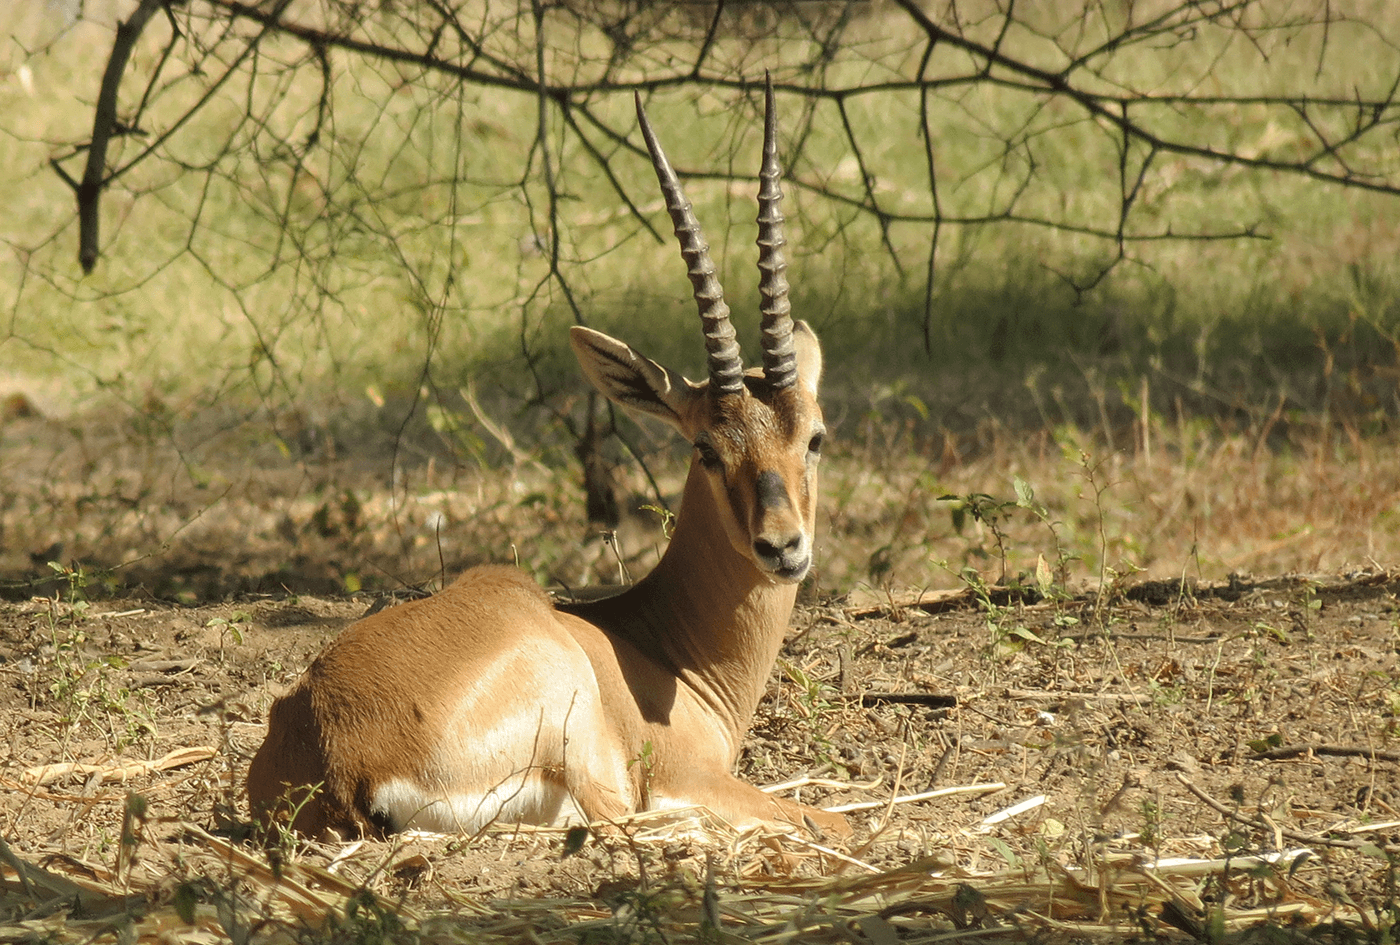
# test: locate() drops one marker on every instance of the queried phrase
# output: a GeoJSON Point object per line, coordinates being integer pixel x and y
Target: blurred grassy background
{"type": "Point", "coordinates": [265, 381]}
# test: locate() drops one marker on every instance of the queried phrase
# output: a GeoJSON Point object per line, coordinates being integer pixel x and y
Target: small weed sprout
{"type": "Point", "coordinates": [228, 628]}
{"type": "Point", "coordinates": [984, 509]}
{"type": "Point", "coordinates": [644, 761]}
{"type": "Point", "coordinates": [813, 705]}
{"type": "Point", "coordinates": [133, 829]}
{"type": "Point", "coordinates": [76, 579]}
{"type": "Point", "coordinates": [639, 916]}
{"type": "Point", "coordinates": [370, 921]}
{"type": "Point", "coordinates": [1150, 822]}
{"type": "Point", "coordinates": [84, 694]}
{"type": "Point", "coordinates": [1006, 635]}
{"type": "Point", "coordinates": [668, 518]}
{"type": "Point", "coordinates": [282, 841]}
{"type": "Point", "coordinates": [1311, 606]}
{"type": "Point", "coordinates": [1111, 580]}
{"type": "Point", "coordinates": [994, 512]}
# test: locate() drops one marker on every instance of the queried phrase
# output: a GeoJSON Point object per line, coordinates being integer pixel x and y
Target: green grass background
{"type": "Point", "coordinates": [253, 279]}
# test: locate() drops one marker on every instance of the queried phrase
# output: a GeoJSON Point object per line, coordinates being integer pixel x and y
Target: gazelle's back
{"type": "Point", "coordinates": [412, 710]}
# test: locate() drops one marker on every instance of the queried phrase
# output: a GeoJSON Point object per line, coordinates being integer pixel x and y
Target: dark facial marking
{"type": "Point", "coordinates": [771, 494]}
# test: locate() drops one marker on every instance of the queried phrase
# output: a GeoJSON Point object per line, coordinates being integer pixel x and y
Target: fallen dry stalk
{"type": "Point", "coordinates": [119, 771]}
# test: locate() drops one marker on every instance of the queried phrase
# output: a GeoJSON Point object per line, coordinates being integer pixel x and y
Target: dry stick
{"type": "Point", "coordinates": [824, 782]}
{"type": "Point", "coordinates": [120, 771]}
{"type": "Point", "coordinates": [1298, 835]}
{"type": "Point", "coordinates": [1089, 698]}
{"type": "Point", "coordinates": [928, 699]}
{"type": "Point", "coordinates": [844, 858]}
{"type": "Point", "coordinates": [988, 788]}
{"type": "Point", "coordinates": [1345, 751]}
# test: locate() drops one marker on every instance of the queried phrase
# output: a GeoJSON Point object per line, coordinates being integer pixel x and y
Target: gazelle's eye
{"type": "Point", "coordinates": [815, 446]}
{"type": "Point", "coordinates": [709, 458]}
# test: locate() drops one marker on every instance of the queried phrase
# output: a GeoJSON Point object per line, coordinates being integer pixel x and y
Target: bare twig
{"type": "Point", "coordinates": [1234, 815]}
{"type": "Point", "coordinates": [104, 126]}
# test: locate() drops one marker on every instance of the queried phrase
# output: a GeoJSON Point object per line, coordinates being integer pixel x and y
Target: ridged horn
{"type": "Point", "coordinates": [725, 364]}
{"type": "Point", "coordinates": [779, 358]}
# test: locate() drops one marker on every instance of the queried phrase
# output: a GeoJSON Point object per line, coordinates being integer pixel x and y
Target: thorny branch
{"type": "Point", "coordinates": [575, 61]}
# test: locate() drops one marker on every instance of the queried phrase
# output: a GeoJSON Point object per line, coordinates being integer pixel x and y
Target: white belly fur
{"type": "Point", "coordinates": [520, 799]}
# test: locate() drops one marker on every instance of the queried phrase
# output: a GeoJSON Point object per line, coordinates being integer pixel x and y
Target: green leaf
{"type": "Point", "coordinates": [1025, 496]}
{"type": "Point", "coordinates": [1264, 744]}
{"type": "Point", "coordinates": [1006, 853]}
{"type": "Point", "coordinates": [185, 901]}
{"type": "Point", "coordinates": [1044, 580]}
{"type": "Point", "coordinates": [1026, 634]}
{"type": "Point", "coordinates": [574, 841]}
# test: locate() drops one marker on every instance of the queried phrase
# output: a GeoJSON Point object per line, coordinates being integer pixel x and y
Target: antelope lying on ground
{"type": "Point", "coordinates": [488, 702]}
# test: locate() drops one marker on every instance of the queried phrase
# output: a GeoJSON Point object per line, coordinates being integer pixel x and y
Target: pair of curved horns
{"type": "Point", "coordinates": [726, 367]}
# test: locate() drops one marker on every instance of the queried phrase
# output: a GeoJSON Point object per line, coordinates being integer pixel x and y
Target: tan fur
{"type": "Point", "coordinates": [635, 702]}
{"type": "Point", "coordinates": [487, 702]}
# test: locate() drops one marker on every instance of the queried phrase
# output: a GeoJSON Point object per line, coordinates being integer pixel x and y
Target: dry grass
{"type": "Point", "coordinates": [1193, 499]}
{"type": "Point", "coordinates": [220, 891]}
{"type": "Point", "coordinates": [236, 511]}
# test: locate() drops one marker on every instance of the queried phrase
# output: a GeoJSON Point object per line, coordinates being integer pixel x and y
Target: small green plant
{"type": "Point", "coordinates": [76, 579]}
{"type": "Point", "coordinates": [1006, 635]}
{"type": "Point", "coordinates": [83, 693]}
{"type": "Point", "coordinates": [1111, 580]}
{"type": "Point", "coordinates": [639, 917]}
{"type": "Point", "coordinates": [278, 835]}
{"type": "Point", "coordinates": [645, 761]}
{"type": "Point", "coordinates": [1311, 607]}
{"type": "Point", "coordinates": [229, 629]}
{"type": "Point", "coordinates": [368, 920]}
{"type": "Point", "coordinates": [813, 704]}
{"type": "Point", "coordinates": [1278, 633]}
{"type": "Point", "coordinates": [985, 509]}
{"type": "Point", "coordinates": [1050, 585]}
{"type": "Point", "coordinates": [1150, 823]}
{"type": "Point", "coordinates": [993, 512]}
{"type": "Point", "coordinates": [133, 829]}
{"type": "Point", "coordinates": [1391, 698]}
{"type": "Point", "coordinates": [668, 518]}
{"type": "Point", "coordinates": [813, 698]}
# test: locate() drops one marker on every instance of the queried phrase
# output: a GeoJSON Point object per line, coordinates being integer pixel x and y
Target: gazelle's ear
{"type": "Point", "coordinates": [630, 380]}
{"type": "Point", "coordinates": [809, 356]}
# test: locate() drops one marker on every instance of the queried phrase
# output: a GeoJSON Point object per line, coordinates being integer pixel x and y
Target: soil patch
{"type": "Point", "coordinates": [1252, 717]}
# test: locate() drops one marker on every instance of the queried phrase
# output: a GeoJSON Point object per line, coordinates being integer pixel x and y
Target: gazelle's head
{"type": "Point", "coordinates": [757, 434]}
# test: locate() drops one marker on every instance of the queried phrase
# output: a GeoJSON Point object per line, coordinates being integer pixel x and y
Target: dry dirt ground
{"type": "Point", "coordinates": [1251, 718]}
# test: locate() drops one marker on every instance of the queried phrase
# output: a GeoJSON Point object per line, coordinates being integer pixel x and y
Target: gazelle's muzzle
{"type": "Point", "coordinates": [787, 558]}
{"type": "Point", "coordinates": [781, 544]}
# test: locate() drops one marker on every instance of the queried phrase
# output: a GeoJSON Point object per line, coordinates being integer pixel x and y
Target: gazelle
{"type": "Point", "coordinates": [488, 702]}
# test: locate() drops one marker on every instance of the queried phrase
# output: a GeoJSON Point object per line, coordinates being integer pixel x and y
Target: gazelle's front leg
{"type": "Point", "coordinates": [742, 804]}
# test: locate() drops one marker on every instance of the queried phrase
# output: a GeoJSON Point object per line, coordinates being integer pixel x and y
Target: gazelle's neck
{"type": "Point", "coordinates": [705, 611]}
